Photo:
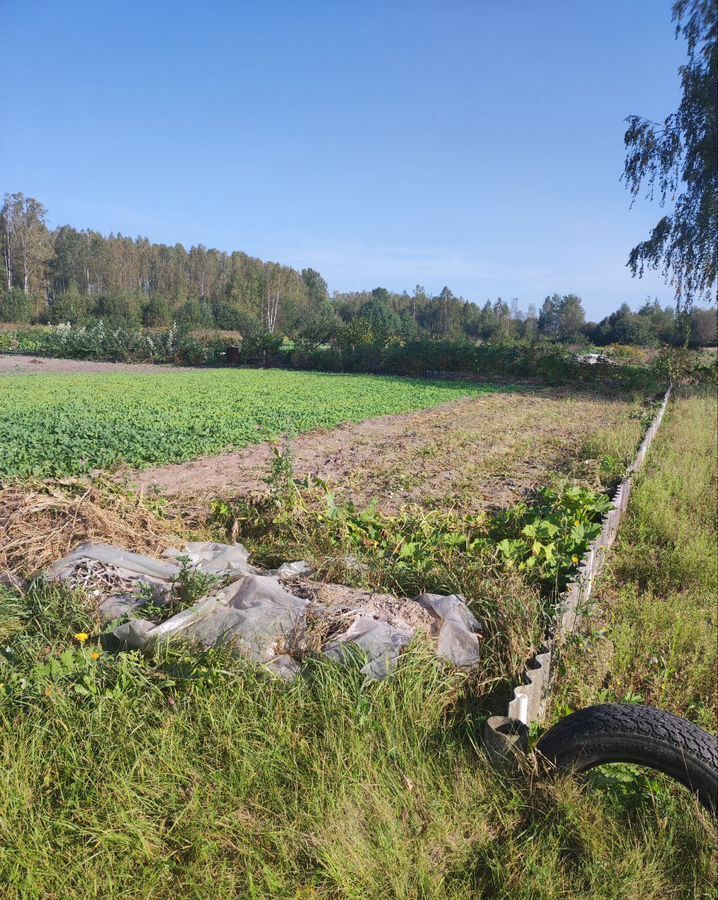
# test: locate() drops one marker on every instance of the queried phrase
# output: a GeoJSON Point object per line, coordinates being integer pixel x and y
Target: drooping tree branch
{"type": "Point", "coordinates": [677, 163]}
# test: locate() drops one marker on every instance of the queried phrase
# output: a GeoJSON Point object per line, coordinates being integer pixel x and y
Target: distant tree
{"type": "Point", "coordinates": [419, 300]}
{"type": "Point", "coordinates": [156, 312]}
{"type": "Point", "coordinates": [355, 334]}
{"type": "Point", "coordinates": [622, 324]}
{"type": "Point", "coordinates": [195, 314]}
{"type": "Point", "coordinates": [408, 326]}
{"type": "Point", "coordinates": [659, 321]}
{"type": "Point", "coordinates": [449, 307]}
{"type": "Point", "coordinates": [382, 319]}
{"type": "Point", "coordinates": [6, 242]}
{"type": "Point", "coordinates": [503, 323]}
{"type": "Point", "coordinates": [231, 317]}
{"type": "Point", "coordinates": [69, 307]}
{"type": "Point", "coordinates": [530, 323]}
{"type": "Point", "coordinates": [117, 309]}
{"type": "Point", "coordinates": [561, 318]}
{"type": "Point", "coordinates": [319, 325]}
{"type": "Point", "coordinates": [704, 327]}
{"type": "Point", "coordinates": [316, 287]}
{"type": "Point", "coordinates": [678, 160]}
{"type": "Point", "coordinates": [471, 320]}
{"type": "Point", "coordinates": [26, 242]}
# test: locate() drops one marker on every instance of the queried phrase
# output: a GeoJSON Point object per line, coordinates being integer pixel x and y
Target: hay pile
{"type": "Point", "coordinates": [42, 521]}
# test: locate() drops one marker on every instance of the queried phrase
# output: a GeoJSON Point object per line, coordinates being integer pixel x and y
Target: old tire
{"type": "Point", "coordinates": [617, 732]}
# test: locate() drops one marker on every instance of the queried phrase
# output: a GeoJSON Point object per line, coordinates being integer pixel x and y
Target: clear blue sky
{"type": "Point", "coordinates": [475, 144]}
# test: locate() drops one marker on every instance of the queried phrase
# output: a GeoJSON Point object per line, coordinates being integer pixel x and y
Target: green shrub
{"type": "Point", "coordinates": [16, 306]}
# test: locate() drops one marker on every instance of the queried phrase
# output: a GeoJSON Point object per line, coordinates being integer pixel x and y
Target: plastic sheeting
{"type": "Point", "coordinates": [255, 614]}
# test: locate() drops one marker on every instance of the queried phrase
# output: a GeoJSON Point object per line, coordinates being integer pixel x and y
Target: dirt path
{"type": "Point", "coordinates": [479, 452]}
{"type": "Point", "coordinates": [12, 364]}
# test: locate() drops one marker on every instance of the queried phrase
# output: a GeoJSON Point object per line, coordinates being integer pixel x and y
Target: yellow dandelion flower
{"type": "Point", "coordinates": [577, 522]}
{"type": "Point", "coordinates": [96, 654]}
{"type": "Point", "coordinates": [574, 560]}
{"type": "Point", "coordinates": [81, 637]}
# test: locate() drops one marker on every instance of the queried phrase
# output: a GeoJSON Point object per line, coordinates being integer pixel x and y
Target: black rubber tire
{"type": "Point", "coordinates": [618, 732]}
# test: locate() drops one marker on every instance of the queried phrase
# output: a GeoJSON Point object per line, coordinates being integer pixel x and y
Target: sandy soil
{"type": "Point", "coordinates": [477, 453]}
{"type": "Point", "coordinates": [10, 364]}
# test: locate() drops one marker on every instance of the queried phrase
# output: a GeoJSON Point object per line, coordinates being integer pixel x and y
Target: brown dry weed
{"type": "Point", "coordinates": [42, 521]}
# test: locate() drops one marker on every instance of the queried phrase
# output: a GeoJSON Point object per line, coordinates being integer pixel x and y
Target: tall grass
{"type": "Point", "coordinates": [202, 777]}
{"type": "Point", "coordinates": [185, 776]}
{"type": "Point", "coordinates": [653, 630]}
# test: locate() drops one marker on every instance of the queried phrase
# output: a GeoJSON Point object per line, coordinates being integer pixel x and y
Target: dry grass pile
{"type": "Point", "coordinates": [42, 521]}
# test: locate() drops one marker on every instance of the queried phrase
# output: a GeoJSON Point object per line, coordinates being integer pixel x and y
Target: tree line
{"type": "Point", "coordinates": [64, 275]}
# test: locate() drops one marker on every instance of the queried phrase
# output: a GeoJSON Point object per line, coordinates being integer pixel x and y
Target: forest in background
{"type": "Point", "coordinates": [62, 275]}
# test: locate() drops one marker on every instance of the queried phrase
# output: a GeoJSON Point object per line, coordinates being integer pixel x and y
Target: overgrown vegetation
{"type": "Point", "coordinates": [651, 636]}
{"type": "Point", "coordinates": [184, 773]}
{"type": "Point", "coordinates": [537, 361]}
{"type": "Point", "coordinates": [150, 777]}
{"type": "Point", "coordinates": [510, 566]}
{"type": "Point", "coordinates": [119, 343]}
{"type": "Point", "coordinates": [187, 589]}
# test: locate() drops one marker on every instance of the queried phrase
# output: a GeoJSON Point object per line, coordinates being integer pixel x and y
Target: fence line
{"type": "Point", "coordinates": [530, 697]}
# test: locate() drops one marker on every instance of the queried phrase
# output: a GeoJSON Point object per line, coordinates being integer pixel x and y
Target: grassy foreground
{"type": "Point", "coordinates": [132, 778]}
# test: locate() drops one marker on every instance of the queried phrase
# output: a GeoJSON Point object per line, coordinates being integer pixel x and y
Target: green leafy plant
{"type": "Point", "coordinates": [64, 425]}
{"type": "Point", "coordinates": [189, 586]}
{"type": "Point", "coordinates": [548, 538]}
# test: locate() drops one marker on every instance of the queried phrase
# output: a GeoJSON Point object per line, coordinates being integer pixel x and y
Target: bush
{"type": "Point", "coordinates": [156, 313]}
{"type": "Point", "coordinates": [543, 362]}
{"type": "Point", "coordinates": [16, 306]}
{"type": "Point", "coordinates": [319, 359]}
{"type": "Point", "coordinates": [261, 349]}
{"type": "Point", "coordinates": [119, 309]}
{"type": "Point", "coordinates": [686, 366]}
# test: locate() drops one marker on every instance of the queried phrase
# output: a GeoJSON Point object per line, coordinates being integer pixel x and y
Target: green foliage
{"type": "Point", "coordinates": [652, 631]}
{"type": "Point", "coordinates": [16, 306]}
{"type": "Point", "coordinates": [59, 425]}
{"type": "Point", "coordinates": [548, 537]}
{"type": "Point", "coordinates": [676, 159]}
{"type": "Point", "coordinates": [261, 348]}
{"type": "Point", "coordinates": [195, 314]}
{"type": "Point", "coordinates": [117, 343]}
{"type": "Point", "coordinates": [545, 539]}
{"type": "Point", "coordinates": [118, 309]}
{"type": "Point", "coordinates": [156, 312]}
{"type": "Point", "coordinates": [190, 585]}
{"type": "Point", "coordinates": [537, 545]}
{"type": "Point", "coordinates": [70, 307]}
{"type": "Point", "coordinates": [684, 367]}
{"type": "Point", "coordinates": [562, 318]}
{"type": "Point", "coordinates": [280, 479]}
{"type": "Point", "coordinates": [198, 775]}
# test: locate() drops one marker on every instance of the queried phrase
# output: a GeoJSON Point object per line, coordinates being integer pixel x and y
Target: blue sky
{"type": "Point", "coordinates": [475, 144]}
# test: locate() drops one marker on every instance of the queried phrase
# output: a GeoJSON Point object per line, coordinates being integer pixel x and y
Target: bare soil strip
{"type": "Point", "coordinates": [11, 364]}
{"type": "Point", "coordinates": [477, 453]}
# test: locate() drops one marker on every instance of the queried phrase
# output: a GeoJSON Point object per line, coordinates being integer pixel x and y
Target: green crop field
{"type": "Point", "coordinates": [59, 425]}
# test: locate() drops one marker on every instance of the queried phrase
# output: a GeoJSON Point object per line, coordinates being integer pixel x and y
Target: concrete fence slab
{"type": "Point", "coordinates": [531, 695]}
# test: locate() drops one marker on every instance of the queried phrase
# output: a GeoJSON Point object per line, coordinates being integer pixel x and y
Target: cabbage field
{"type": "Point", "coordinates": [56, 425]}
